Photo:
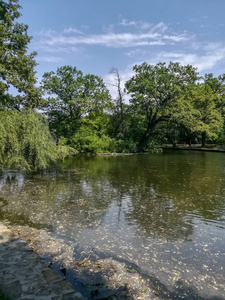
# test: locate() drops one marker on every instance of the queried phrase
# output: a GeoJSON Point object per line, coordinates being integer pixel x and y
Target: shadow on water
{"type": "Point", "coordinates": [132, 204]}
{"type": "Point", "coordinates": [94, 285]}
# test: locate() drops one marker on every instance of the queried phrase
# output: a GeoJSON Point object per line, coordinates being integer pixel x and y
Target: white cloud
{"type": "Point", "coordinates": [155, 36]}
{"type": "Point", "coordinates": [124, 22]}
{"type": "Point", "coordinates": [160, 27]}
{"type": "Point", "coordinates": [57, 48]}
{"type": "Point", "coordinates": [137, 43]}
{"type": "Point", "coordinates": [136, 24]}
{"type": "Point", "coordinates": [72, 30]}
{"type": "Point", "coordinates": [211, 55]}
{"type": "Point", "coordinates": [50, 59]}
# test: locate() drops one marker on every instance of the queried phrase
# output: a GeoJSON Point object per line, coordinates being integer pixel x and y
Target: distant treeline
{"type": "Point", "coordinates": [73, 113]}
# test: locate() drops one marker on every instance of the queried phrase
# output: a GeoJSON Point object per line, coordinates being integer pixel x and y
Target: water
{"type": "Point", "coordinates": [164, 213]}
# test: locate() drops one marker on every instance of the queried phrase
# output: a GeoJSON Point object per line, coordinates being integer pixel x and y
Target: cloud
{"type": "Point", "coordinates": [136, 24]}
{"type": "Point", "coordinates": [205, 60]}
{"type": "Point", "coordinates": [72, 30]}
{"type": "Point", "coordinates": [162, 27]}
{"type": "Point", "coordinates": [56, 48]}
{"type": "Point", "coordinates": [50, 59]}
{"type": "Point", "coordinates": [157, 35]}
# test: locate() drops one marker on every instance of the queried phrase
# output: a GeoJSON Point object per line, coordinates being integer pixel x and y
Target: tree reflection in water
{"type": "Point", "coordinates": [164, 212]}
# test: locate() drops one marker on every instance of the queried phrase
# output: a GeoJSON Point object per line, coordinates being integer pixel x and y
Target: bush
{"type": "Point", "coordinates": [88, 141]}
{"type": "Point", "coordinates": [126, 146]}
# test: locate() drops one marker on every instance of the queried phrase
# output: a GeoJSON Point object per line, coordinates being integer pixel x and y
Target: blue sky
{"type": "Point", "coordinates": [96, 35]}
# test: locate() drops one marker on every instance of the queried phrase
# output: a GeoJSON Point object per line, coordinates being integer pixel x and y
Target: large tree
{"type": "Point", "coordinates": [156, 91]}
{"type": "Point", "coordinates": [25, 140]}
{"type": "Point", "coordinates": [207, 102]}
{"type": "Point", "coordinates": [74, 96]}
{"type": "Point", "coordinates": [16, 65]}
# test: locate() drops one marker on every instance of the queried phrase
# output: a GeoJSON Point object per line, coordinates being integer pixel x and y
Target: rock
{"type": "Point", "coordinates": [24, 275]}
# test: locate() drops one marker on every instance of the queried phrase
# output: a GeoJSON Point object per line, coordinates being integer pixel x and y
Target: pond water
{"type": "Point", "coordinates": [163, 213]}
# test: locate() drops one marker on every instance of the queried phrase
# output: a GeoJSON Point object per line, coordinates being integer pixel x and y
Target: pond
{"type": "Point", "coordinates": [161, 214]}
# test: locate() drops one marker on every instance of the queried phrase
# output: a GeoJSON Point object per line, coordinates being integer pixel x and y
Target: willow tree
{"type": "Point", "coordinates": [156, 93]}
{"type": "Point", "coordinates": [25, 140]}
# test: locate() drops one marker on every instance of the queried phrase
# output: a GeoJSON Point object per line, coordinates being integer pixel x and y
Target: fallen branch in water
{"type": "Point", "coordinates": [78, 264]}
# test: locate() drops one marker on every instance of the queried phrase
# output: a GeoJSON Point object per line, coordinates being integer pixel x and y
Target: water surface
{"type": "Point", "coordinates": [164, 213]}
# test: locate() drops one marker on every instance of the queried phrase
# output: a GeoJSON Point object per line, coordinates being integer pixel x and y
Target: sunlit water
{"type": "Point", "coordinates": [165, 213]}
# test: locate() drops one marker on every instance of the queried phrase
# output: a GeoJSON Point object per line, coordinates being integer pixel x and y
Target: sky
{"type": "Point", "coordinates": [98, 35]}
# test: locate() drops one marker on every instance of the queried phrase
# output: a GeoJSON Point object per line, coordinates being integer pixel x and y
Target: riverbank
{"type": "Point", "coordinates": [97, 278]}
{"type": "Point", "coordinates": [195, 148]}
{"type": "Point", "coordinates": [24, 275]}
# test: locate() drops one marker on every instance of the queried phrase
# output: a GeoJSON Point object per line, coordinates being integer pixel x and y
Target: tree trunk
{"type": "Point", "coordinates": [143, 141]}
{"type": "Point", "coordinates": [203, 139]}
{"type": "Point", "coordinates": [145, 137]}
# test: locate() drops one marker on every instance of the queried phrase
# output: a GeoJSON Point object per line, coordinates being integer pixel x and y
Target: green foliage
{"type": "Point", "coordinates": [92, 136]}
{"type": "Point", "coordinates": [205, 114]}
{"type": "Point", "coordinates": [25, 140]}
{"type": "Point", "coordinates": [205, 101]}
{"type": "Point", "coordinates": [16, 66]}
{"type": "Point", "coordinates": [155, 91]}
{"type": "Point", "coordinates": [88, 141]}
{"type": "Point", "coordinates": [126, 146]}
{"type": "Point", "coordinates": [75, 96]}
{"type": "Point", "coordinates": [64, 151]}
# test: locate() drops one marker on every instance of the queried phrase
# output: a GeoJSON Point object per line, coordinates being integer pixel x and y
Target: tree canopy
{"type": "Point", "coordinates": [16, 65]}
{"type": "Point", "coordinates": [168, 102]}
{"type": "Point", "coordinates": [74, 96]}
{"type": "Point", "coordinates": [25, 140]}
{"type": "Point", "coordinates": [155, 91]}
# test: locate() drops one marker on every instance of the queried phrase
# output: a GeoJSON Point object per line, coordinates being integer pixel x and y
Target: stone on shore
{"type": "Point", "coordinates": [24, 275]}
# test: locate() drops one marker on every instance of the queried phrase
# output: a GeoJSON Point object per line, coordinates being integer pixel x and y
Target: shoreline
{"type": "Point", "coordinates": [193, 148]}
{"type": "Point", "coordinates": [25, 275]}
{"type": "Point", "coordinates": [93, 277]}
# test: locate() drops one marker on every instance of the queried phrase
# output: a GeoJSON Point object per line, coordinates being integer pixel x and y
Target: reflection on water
{"type": "Point", "coordinates": [164, 212]}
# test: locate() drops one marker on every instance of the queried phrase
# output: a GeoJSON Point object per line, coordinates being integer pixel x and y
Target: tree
{"type": "Point", "coordinates": [217, 85]}
{"type": "Point", "coordinates": [119, 105]}
{"type": "Point", "coordinates": [207, 102]}
{"type": "Point", "coordinates": [16, 66]}
{"type": "Point", "coordinates": [25, 140]}
{"type": "Point", "coordinates": [156, 92]}
{"type": "Point", "coordinates": [92, 136]}
{"type": "Point", "coordinates": [75, 96]}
